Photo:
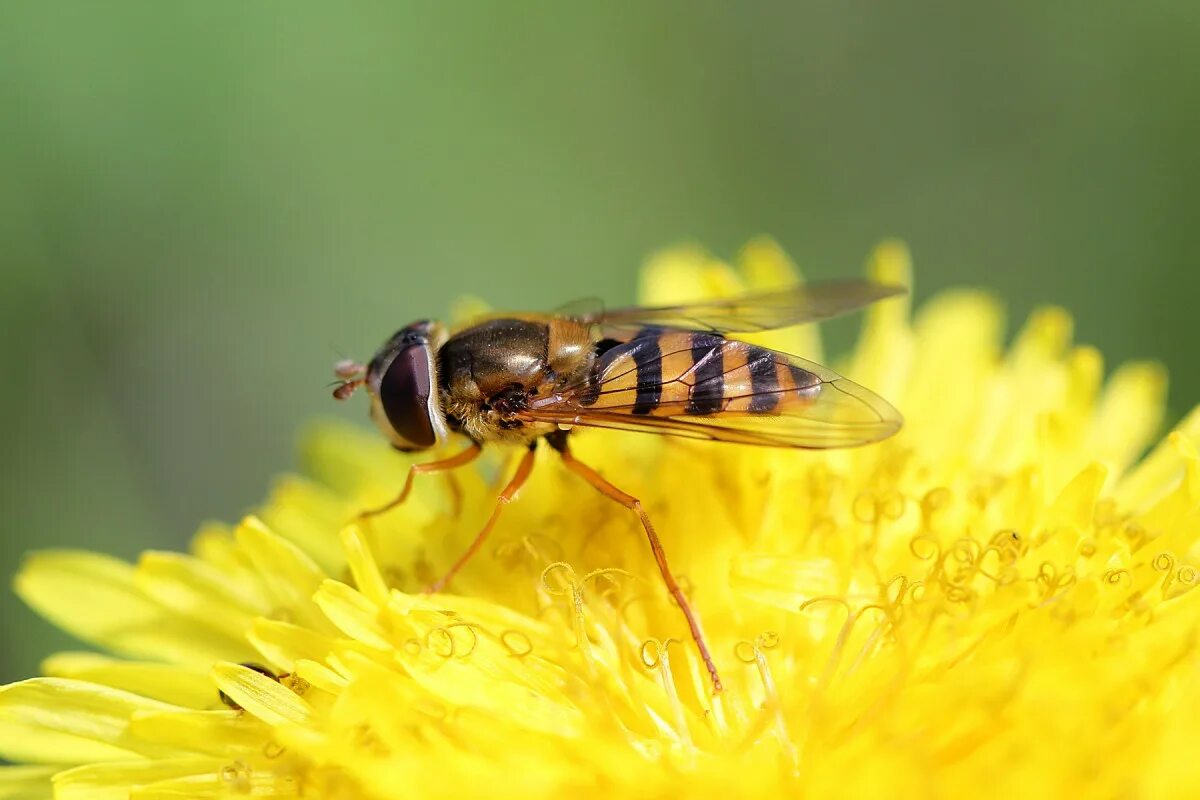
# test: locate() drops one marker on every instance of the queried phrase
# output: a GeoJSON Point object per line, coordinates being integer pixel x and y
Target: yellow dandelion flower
{"type": "Point", "coordinates": [997, 601]}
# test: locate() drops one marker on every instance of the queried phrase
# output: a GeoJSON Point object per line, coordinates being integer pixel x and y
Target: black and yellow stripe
{"type": "Point", "coordinates": [647, 358]}
{"type": "Point", "coordinates": [673, 372]}
{"type": "Point", "coordinates": [708, 390]}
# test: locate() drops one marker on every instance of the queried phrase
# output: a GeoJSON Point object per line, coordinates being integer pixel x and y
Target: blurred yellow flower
{"type": "Point", "coordinates": [997, 602]}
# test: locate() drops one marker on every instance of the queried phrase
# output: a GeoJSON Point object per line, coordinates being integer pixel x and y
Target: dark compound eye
{"type": "Point", "coordinates": [404, 393]}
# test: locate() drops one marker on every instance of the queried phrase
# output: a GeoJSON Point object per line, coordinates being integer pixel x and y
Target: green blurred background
{"type": "Point", "coordinates": [203, 205]}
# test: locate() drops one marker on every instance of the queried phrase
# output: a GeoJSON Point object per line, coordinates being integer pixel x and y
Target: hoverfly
{"type": "Point", "coordinates": [519, 379]}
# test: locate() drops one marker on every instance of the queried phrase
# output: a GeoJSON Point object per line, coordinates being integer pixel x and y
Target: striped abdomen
{"type": "Point", "coordinates": [674, 372]}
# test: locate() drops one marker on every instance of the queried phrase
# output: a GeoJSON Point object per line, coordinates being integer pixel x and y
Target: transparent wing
{"type": "Point", "coordinates": [702, 386]}
{"type": "Point", "coordinates": [587, 308]}
{"type": "Point", "coordinates": [811, 302]}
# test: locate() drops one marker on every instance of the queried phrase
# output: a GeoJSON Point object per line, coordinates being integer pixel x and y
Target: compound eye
{"type": "Point", "coordinates": [404, 392]}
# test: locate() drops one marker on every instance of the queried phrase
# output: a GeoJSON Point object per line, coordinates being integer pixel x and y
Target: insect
{"type": "Point", "coordinates": [520, 379]}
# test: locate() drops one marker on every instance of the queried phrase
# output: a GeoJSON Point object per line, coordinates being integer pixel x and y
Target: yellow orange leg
{"type": "Point", "coordinates": [507, 496]}
{"type": "Point", "coordinates": [453, 462]}
{"type": "Point", "coordinates": [456, 493]}
{"type": "Point", "coordinates": [599, 483]}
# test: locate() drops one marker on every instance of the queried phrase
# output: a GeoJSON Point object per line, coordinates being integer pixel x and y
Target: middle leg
{"type": "Point", "coordinates": [507, 496]}
{"type": "Point", "coordinates": [599, 483]}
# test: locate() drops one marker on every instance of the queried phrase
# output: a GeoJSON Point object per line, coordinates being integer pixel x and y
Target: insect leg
{"type": "Point", "coordinates": [456, 493]}
{"type": "Point", "coordinates": [507, 496]}
{"type": "Point", "coordinates": [598, 482]}
{"type": "Point", "coordinates": [453, 462]}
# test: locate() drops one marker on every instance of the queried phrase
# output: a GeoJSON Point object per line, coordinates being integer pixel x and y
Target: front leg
{"type": "Point", "coordinates": [453, 462]}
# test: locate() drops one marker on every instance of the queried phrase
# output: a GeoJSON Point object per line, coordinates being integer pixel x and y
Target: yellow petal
{"type": "Point", "coordinates": [1076, 504]}
{"type": "Point", "coordinates": [320, 676]}
{"type": "Point", "coordinates": [681, 275]}
{"type": "Point", "coordinates": [467, 308]}
{"type": "Point", "coordinates": [961, 329]}
{"type": "Point", "coordinates": [194, 589]}
{"type": "Point", "coordinates": [782, 581]}
{"type": "Point", "coordinates": [1130, 413]}
{"type": "Point", "coordinates": [288, 574]}
{"type": "Point", "coordinates": [226, 733]}
{"type": "Point", "coordinates": [766, 267]}
{"type": "Point", "coordinates": [232, 780]}
{"type": "Point", "coordinates": [1159, 471]}
{"type": "Point", "coordinates": [352, 613]}
{"type": "Point", "coordinates": [347, 458]}
{"type": "Point", "coordinates": [283, 643]}
{"type": "Point", "coordinates": [261, 696]}
{"type": "Point", "coordinates": [26, 783]}
{"type": "Point", "coordinates": [114, 781]}
{"type": "Point", "coordinates": [303, 512]}
{"type": "Point", "coordinates": [1176, 506]}
{"type": "Point", "coordinates": [95, 598]}
{"type": "Point", "coordinates": [886, 345]}
{"type": "Point", "coordinates": [363, 568]}
{"type": "Point", "coordinates": [215, 545]}
{"type": "Point", "coordinates": [185, 686]}
{"type": "Point", "coordinates": [69, 721]}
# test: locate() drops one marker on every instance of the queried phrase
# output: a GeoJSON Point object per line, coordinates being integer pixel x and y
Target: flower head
{"type": "Point", "coordinates": [997, 600]}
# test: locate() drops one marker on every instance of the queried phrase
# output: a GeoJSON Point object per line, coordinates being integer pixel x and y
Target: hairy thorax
{"type": "Point", "coordinates": [492, 371]}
